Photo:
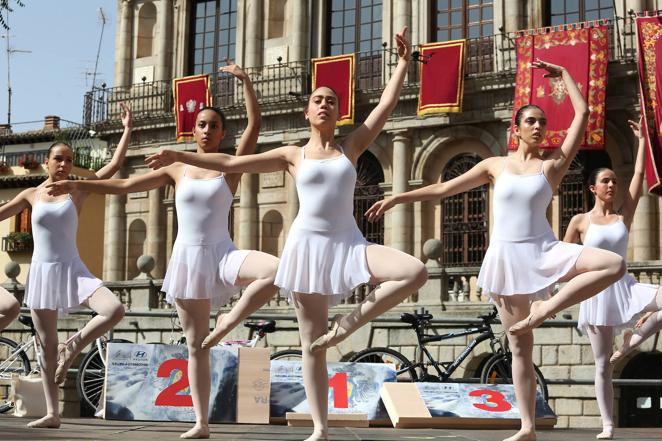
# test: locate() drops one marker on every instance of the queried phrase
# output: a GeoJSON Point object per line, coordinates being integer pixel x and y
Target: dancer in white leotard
{"type": "Point", "coordinates": [58, 280]}
{"type": "Point", "coordinates": [325, 255]}
{"type": "Point", "coordinates": [524, 259]}
{"type": "Point", "coordinates": [205, 268]}
{"type": "Point", "coordinates": [603, 316]}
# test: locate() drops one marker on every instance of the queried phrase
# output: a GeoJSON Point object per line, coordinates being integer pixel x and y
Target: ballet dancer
{"type": "Point", "coordinates": [58, 280]}
{"type": "Point", "coordinates": [325, 255]}
{"type": "Point", "coordinates": [205, 269]}
{"type": "Point", "coordinates": [603, 316]}
{"type": "Point", "coordinates": [524, 259]}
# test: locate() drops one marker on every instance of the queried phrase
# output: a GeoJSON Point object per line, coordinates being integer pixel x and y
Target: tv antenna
{"type": "Point", "coordinates": [10, 51]}
{"type": "Point", "coordinates": [104, 19]}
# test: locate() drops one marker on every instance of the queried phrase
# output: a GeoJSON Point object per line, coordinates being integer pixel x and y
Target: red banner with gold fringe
{"type": "Point", "coordinates": [191, 94]}
{"type": "Point", "coordinates": [338, 74]}
{"type": "Point", "coordinates": [583, 49]}
{"type": "Point", "coordinates": [649, 31]}
{"type": "Point", "coordinates": [442, 77]}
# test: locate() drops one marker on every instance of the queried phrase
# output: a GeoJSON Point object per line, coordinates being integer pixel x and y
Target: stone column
{"type": "Point", "coordinates": [643, 237]}
{"type": "Point", "coordinates": [297, 21]}
{"type": "Point", "coordinates": [164, 22]}
{"type": "Point", "coordinates": [156, 234]}
{"type": "Point", "coordinates": [514, 11]}
{"type": "Point", "coordinates": [401, 231]}
{"type": "Point", "coordinates": [248, 216]}
{"type": "Point", "coordinates": [124, 40]}
{"type": "Point", "coordinates": [115, 237]}
{"type": "Point", "coordinates": [401, 16]}
{"type": "Point", "coordinates": [253, 33]}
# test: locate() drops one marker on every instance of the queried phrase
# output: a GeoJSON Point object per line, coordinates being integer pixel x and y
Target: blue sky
{"type": "Point", "coordinates": [63, 36]}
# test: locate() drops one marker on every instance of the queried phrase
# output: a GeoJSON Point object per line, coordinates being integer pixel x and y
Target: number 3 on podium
{"type": "Point", "coordinates": [496, 401]}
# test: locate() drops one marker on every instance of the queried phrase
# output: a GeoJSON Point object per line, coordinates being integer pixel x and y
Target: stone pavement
{"type": "Point", "coordinates": [13, 429]}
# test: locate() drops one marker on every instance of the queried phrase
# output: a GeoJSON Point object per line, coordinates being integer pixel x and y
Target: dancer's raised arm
{"type": "Point", "coordinates": [282, 158]}
{"type": "Point", "coordinates": [145, 182]}
{"type": "Point", "coordinates": [479, 175]}
{"type": "Point", "coordinates": [115, 163]}
{"type": "Point", "coordinates": [359, 139]}
{"type": "Point", "coordinates": [636, 184]}
{"type": "Point", "coordinates": [19, 203]}
{"type": "Point", "coordinates": [562, 157]}
{"type": "Point", "coordinates": [248, 139]}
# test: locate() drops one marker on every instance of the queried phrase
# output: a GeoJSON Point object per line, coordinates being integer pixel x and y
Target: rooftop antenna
{"type": "Point", "coordinates": [104, 19]}
{"type": "Point", "coordinates": [10, 52]}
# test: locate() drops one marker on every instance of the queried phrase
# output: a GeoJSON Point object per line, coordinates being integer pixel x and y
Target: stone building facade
{"type": "Point", "coordinates": [158, 40]}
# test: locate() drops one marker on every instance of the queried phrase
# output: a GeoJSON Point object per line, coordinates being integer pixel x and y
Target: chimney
{"type": "Point", "coordinates": [51, 122]}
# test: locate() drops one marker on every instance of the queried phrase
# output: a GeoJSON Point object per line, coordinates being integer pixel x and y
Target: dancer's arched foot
{"type": "Point", "coordinates": [534, 320]}
{"type": "Point", "coordinates": [215, 336]}
{"type": "Point", "coordinates": [65, 358]}
{"type": "Point", "coordinates": [523, 435]}
{"type": "Point", "coordinates": [607, 433]}
{"type": "Point", "coordinates": [47, 422]}
{"type": "Point", "coordinates": [624, 349]}
{"type": "Point", "coordinates": [331, 338]}
{"type": "Point", "coordinates": [199, 431]}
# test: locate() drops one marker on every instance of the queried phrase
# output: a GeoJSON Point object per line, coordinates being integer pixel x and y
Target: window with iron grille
{"type": "Point", "coordinates": [24, 221]}
{"type": "Point", "coordinates": [356, 26]}
{"type": "Point", "coordinates": [471, 19]}
{"type": "Point", "coordinates": [573, 11]}
{"type": "Point", "coordinates": [214, 32]}
{"type": "Point", "coordinates": [464, 218]}
{"type": "Point", "coordinates": [369, 175]}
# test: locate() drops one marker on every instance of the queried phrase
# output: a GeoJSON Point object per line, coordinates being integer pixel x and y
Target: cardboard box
{"type": "Point", "coordinates": [253, 386]}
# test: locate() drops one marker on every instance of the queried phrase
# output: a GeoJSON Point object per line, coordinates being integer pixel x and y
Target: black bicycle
{"type": "Point", "coordinates": [496, 370]}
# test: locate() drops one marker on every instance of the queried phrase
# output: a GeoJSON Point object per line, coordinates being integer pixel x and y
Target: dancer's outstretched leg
{"type": "Point", "coordinates": [312, 311]}
{"type": "Point", "coordinates": [257, 272]}
{"type": "Point", "coordinates": [9, 308]}
{"type": "Point", "coordinates": [511, 309]}
{"type": "Point", "coordinates": [594, 271]}
{"type": "Point", "coordinates": [398, 274]}
{"type": "Point", "coordinates": [602, 341]}
{"type": "Point", "coordinates": [109, 312]}
{"type": "Point", "coordinates": [652, 325]}
{"type": "Point", "coordinates": [194, 315]}
{"type": "Point", "coordinates": [45, 323]}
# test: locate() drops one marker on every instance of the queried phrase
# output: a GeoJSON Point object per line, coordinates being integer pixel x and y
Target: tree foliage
{"type": "Point", "coordinates": [6, 8]}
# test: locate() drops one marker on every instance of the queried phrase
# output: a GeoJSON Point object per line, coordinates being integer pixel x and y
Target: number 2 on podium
{"type": "Point", "coordinates": [169, 396]}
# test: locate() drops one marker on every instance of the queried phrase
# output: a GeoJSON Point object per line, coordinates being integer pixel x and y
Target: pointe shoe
{"type": "Point", "coordinates": [199, 431]}
{"type": "Point", "coordinates": [624, 350]}
{"type": "Point", "coordinates": [607, 433]}
{"type": "Point", "coordinates": [64, 359]}
{"type": "Point", "coordinates": [47, 422]}
{"type": "Point", "coordinates": [324, 342]}
{"type": "Point", "coordinates": [214, 337]}
{"type": "Point", "coordinates": [532, 321]}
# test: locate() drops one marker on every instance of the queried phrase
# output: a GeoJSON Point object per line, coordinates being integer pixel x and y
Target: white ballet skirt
{"type": "Point", "coordinates": [58, 279]}
{"type": "Point", "coordinates": [621, 304]}
{"type": "Point", "coordinates": [204, 263]}
{"type": "Point", "coordinates": [203, 271]}
{"type": "Point", "coordinates": [325, 252]}
{"type": "Point", "coordinates": [524, 257]}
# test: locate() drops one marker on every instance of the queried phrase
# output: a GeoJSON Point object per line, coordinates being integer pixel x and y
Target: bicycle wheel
{"type": "Point", "coordinates": [403, 367]}
{"type": "Point", "coordinates": [498, 370]}
{"type": "Point", "coordinates": [91, 377]}
{"type": "Point", "coordinates": [287, 354]}
{"type": "Point", "coordinates": [13, 362]}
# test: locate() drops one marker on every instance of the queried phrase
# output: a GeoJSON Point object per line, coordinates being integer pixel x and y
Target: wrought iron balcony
{"type": "Point", "coordinates": [282, 83]}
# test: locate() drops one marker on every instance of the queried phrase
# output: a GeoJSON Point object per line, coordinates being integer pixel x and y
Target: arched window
{"type": "Point", "coordinates": [146, 27]}
{"type": "Point", "coordinates": [272, 233]}
{"type": "Point", "coordinates": [369, 175]}
{"type": "Point", "coordinates": [574, 195]}
{"type": "Point", "coordinates": [136, 247]}
{"type": "Point", "coordinates": [464, 218]}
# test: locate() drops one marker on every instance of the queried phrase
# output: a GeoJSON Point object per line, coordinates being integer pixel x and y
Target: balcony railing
{"type": "Point", "coordinates": [11, 245]}
{"type": "Point", "coordinates": [290, 82]}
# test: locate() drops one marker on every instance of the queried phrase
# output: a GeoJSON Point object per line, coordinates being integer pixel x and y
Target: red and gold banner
{"type": "Point", "coordinates": [338, 74]}
{"type": "Point", "coordinates": [583, 49]}
{"type": "Point", "coordinates": [649, 31]}
{"type": "Point", "coordinates": [191, 95]}
{"type": "Point", "coordinates": [442, 77]}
